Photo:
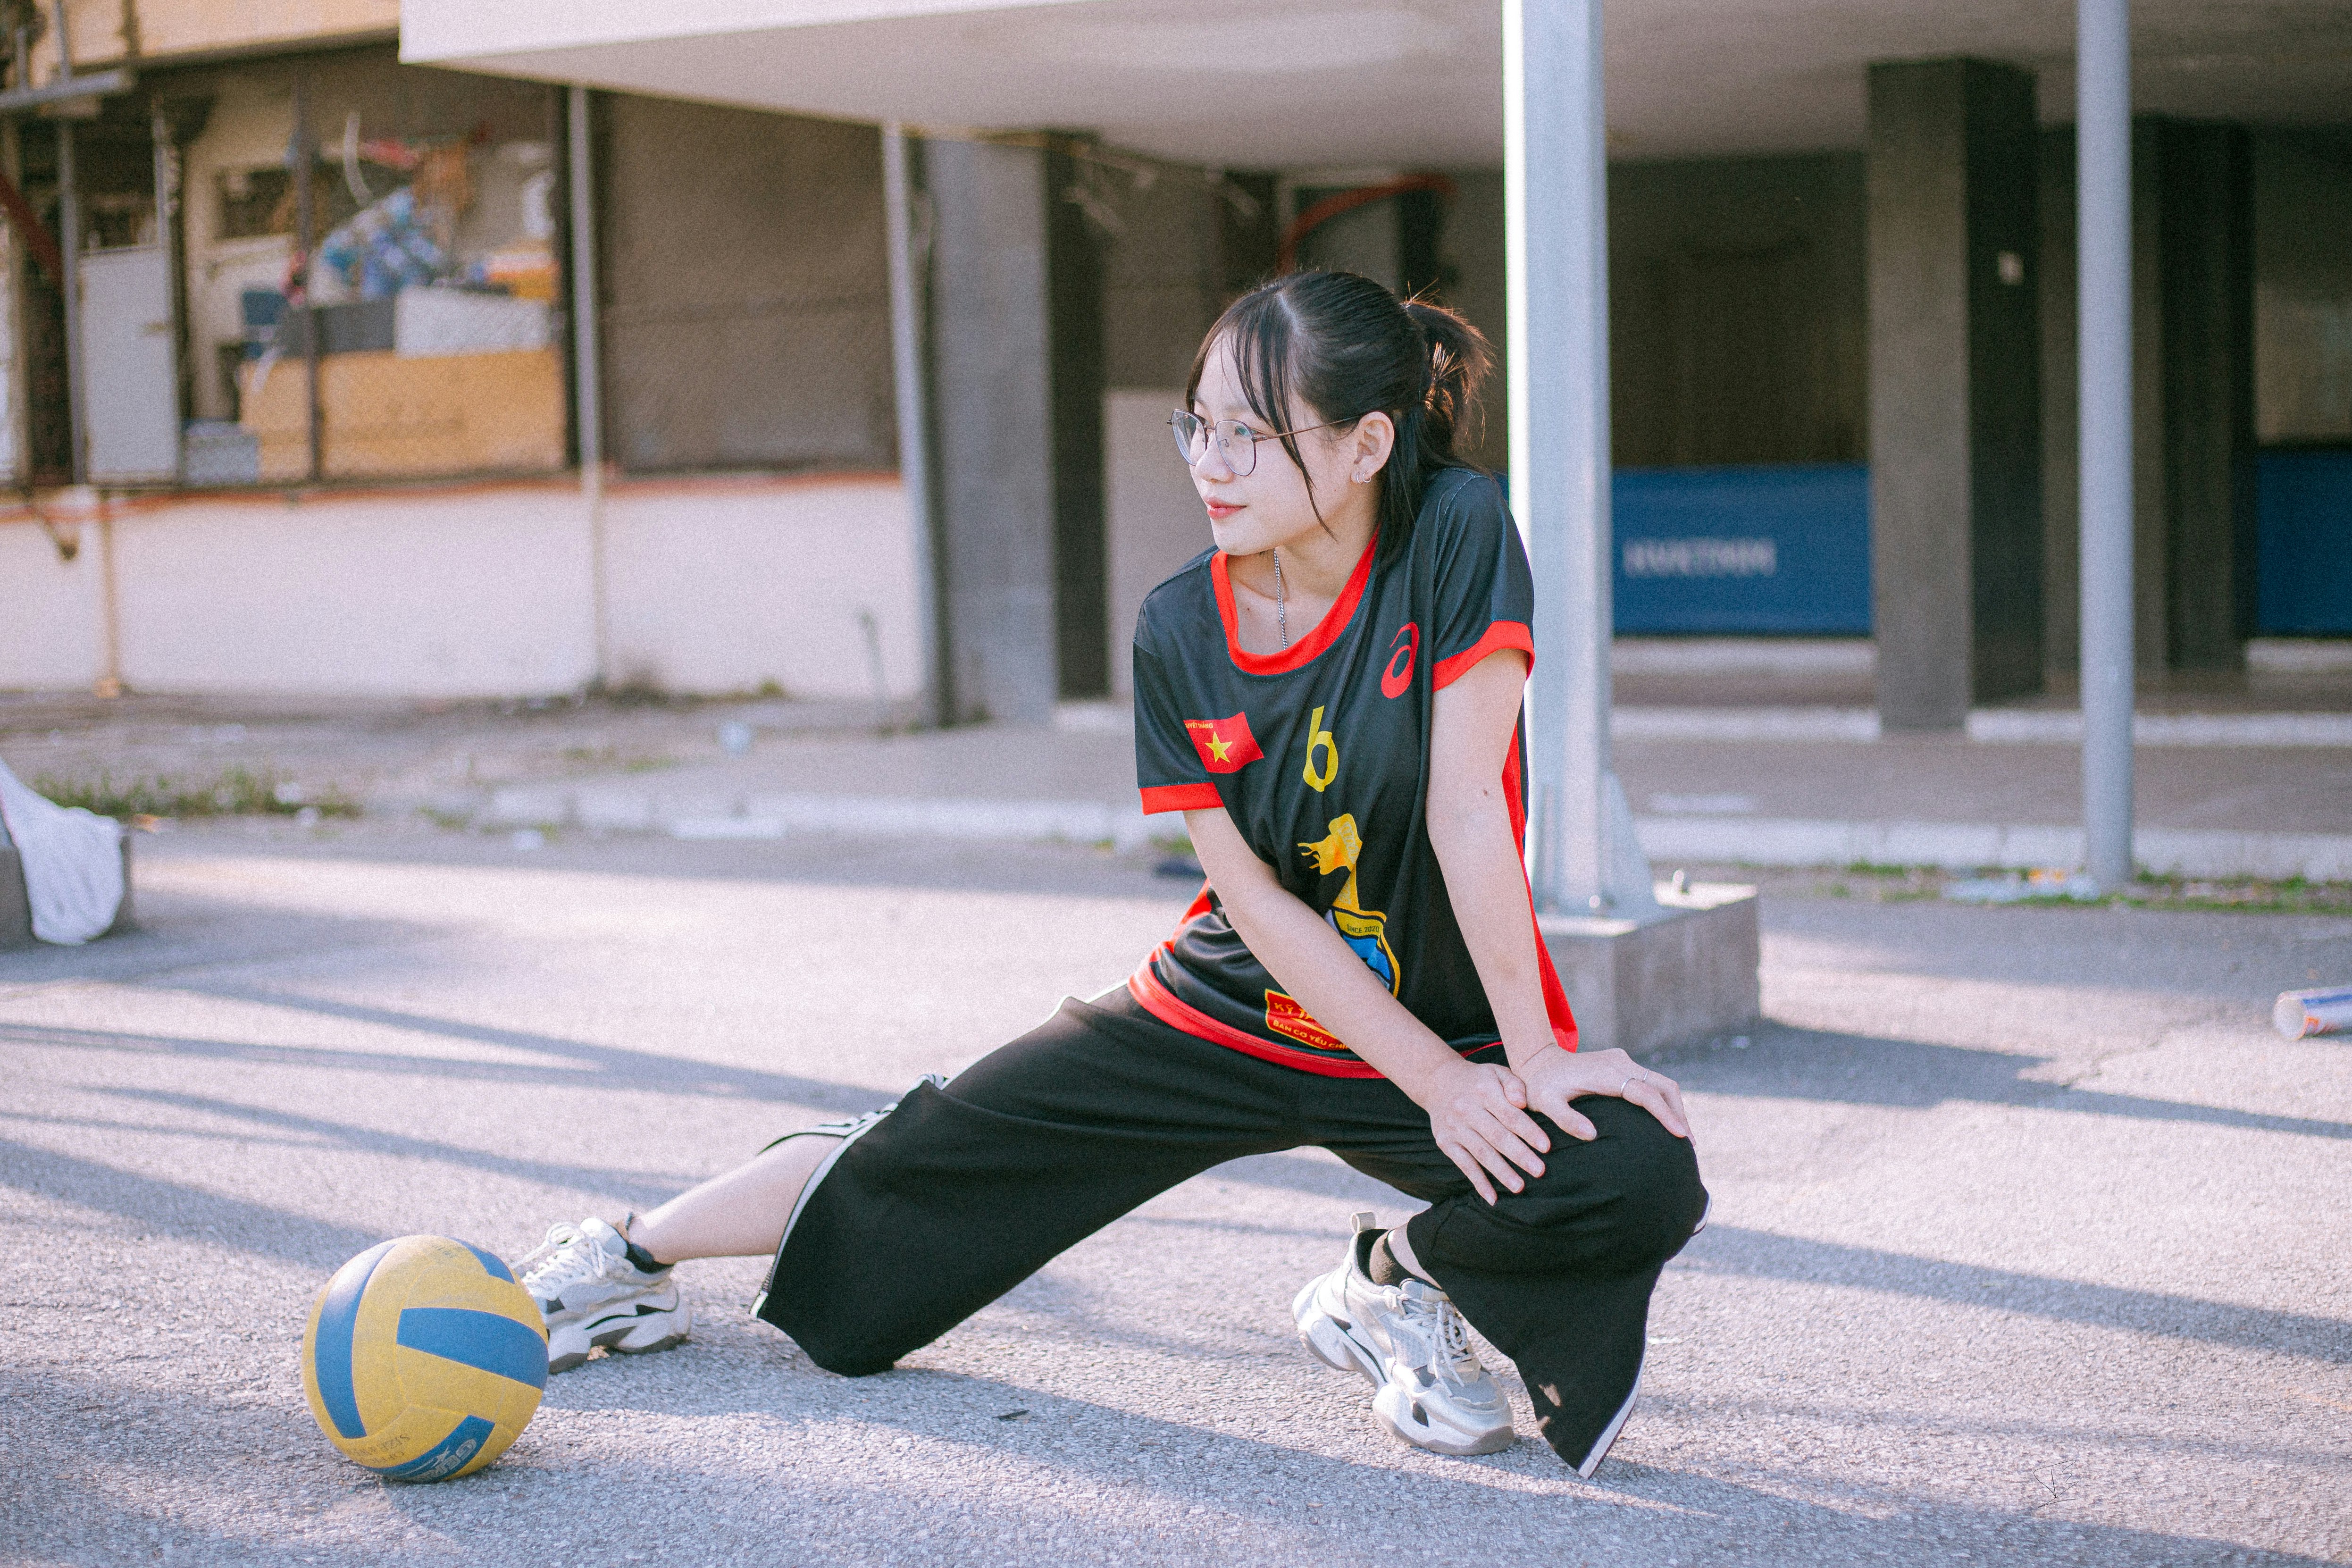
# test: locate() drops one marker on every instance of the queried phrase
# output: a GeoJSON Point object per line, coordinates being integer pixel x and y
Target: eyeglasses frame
{"type": "Point", "coordinates": [1183, 447]}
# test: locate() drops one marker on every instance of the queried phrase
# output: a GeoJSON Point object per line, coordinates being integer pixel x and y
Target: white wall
{"type": "Point", "coordinates": [477, 591]}
{"type": "Point", "coordinates": [1157, 522]}
{"type": "Point", "coordinates": [422, 594]}
{"type": "Point", "coordinates": [48, 606]}
{"type": "Point", "coordinates": [718, 586]}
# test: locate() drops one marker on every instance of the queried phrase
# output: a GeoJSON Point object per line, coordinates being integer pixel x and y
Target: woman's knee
{"type": "Point", "coordinates": [1626, 1201]}
{"type": "Point", "coordinates": [1653, 1197]}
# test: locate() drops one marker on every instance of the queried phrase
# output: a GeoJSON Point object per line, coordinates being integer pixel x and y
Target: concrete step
{"type": "Point", "coordinates": [1666, 839]}
{"type": "Point", "coordinates": [1990, 726]}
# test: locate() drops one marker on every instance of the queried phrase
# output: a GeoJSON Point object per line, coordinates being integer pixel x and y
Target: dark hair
{"type": "Point", "coordinates": [1344, 346]}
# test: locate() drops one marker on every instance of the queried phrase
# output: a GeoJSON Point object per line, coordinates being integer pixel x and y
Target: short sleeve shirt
{"type": "Point", "coordinates": [1321, 754]}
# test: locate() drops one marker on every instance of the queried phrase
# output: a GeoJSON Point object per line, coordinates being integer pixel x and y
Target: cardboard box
{"type": "Point", "coordinates": [386, 416]}
{"type": "Point", "coordinates": [435, 321]}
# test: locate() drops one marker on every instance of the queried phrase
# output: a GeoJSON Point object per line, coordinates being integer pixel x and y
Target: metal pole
{"type": "Point", "coordinates": [906, 367]}
{"type": "Point", "coordinates": [298, 163]}
{"type": "Point", "coordinates": [587, 377]}
{"type": "Point", "coordinates": [109, 684]}
{"type": "Point", "coordinates": [1543, 766]}
{"type": "Point", "coordinates": [19, 435]}
{"type": "Point", "coordinates": [69, 251]}
{"type": "Point", "coordinates": [1556, 178]}
{"type": "Point", "coordinates": [166, 157]}
{"type": "Point", "coordinates": [2103, 204]}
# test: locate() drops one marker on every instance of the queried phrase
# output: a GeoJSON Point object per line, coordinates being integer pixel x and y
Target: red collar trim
{"type": "Point", "coordinates": [1298, 654]}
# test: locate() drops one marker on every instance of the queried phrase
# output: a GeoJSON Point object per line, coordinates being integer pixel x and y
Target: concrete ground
{"type": "Point", "coordinates": [2028, 1245]}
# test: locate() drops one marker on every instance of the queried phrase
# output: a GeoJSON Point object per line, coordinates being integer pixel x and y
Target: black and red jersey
{"type": "Point", "coordinates": [1321, 756]}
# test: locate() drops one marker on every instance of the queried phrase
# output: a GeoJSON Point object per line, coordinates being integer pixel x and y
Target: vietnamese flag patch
{"type": "Point", "coordinates": [1224, 744]}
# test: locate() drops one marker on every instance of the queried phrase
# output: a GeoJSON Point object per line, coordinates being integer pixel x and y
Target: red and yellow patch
{"type": "Point", "coordinates": [1224, 744]}
{"type": "Point", "coordinates": [1285, 1018]}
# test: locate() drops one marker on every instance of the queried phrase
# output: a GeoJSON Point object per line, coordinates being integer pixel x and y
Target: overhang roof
{"type": "Point", "coordinates": [1302, 84]}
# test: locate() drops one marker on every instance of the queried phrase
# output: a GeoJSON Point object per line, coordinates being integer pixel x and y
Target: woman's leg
{"type": "Point", "coordinates": [1558, 1277]}
{"type": "Point", "coordinates": [599, 1286]}
{"type": "Point", "coordinates": [963, 1192]}
{"type": "Point", "coordinates": [737, 1214]}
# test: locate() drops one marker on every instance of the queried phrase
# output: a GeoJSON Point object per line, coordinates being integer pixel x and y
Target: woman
{"type": "Point", "coordinates": [1331, 697]}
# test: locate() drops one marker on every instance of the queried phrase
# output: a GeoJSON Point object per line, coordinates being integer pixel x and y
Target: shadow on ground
{"type": "Point", "coordinates": [1785, 1062]}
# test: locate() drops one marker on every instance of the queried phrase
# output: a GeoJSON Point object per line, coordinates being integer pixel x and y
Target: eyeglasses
{"type": "Point", "coordinates": [1236, 442]}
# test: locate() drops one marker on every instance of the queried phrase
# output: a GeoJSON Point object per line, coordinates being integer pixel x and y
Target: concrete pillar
{"type": "Point", "coordinates": [992, 403]}
{"type": "Point", "coordinates": [910, 397]}
{"type": "Point", "coordinates": [1074, 347]}
{"type": "Point", "coordinates": [2193, 440]}
{"type": "Point", "coordinates": [1583, 857]}
{"type": "Point", "coordinates": [1954, 411]}
{"type": "Point", "coordinates": [2205, 297]}
{"type": "Point", "coordinates": [2062, 510]}
{"type": "Point", "coordinates": [588, 370]}
{"type": "Point", "coordinates": [1642, 964]}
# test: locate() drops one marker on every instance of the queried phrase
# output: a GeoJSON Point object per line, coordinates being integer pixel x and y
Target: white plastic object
{"type": "Point", "coordinates": [72, 859]}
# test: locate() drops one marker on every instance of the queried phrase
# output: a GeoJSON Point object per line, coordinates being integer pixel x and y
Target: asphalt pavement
{"type": "Point", "coordinates": [2028, 1244]}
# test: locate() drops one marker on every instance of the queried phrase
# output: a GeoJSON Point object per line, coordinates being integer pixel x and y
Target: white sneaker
{"type": "Point", "coordinates": [592, 1295]}
{"type": "Point", "coordinates": [1433, 1391]}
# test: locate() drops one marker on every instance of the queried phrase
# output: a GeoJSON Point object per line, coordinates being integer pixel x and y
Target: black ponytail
{"type": "Point", "coordinates": [1344, 346]}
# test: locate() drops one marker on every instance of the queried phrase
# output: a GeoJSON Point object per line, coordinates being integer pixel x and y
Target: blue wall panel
{"type": "Point", "coordinates": [2303, 509]}
{"type": "Point", "coordinates": [1781, 549]}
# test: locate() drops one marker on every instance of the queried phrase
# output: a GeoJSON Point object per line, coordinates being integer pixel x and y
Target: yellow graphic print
{"type": "Point", "coordinates": [1366, 931]}
{"type": "Point", "coordinates": [1322, 739]}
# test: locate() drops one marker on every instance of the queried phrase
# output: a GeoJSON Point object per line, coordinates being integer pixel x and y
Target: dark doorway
{"type": "Point", "coordinates": [48, 418]}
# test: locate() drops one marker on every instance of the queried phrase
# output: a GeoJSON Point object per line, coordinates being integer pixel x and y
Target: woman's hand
{"type": "Point", "coordinates": [1478, 1115]}
{"type": "Point", "coordinates": [1552, 1077]}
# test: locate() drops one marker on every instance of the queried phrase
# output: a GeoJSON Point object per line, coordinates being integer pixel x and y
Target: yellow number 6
{"type": "Point", "coordinates": [1318, 736]}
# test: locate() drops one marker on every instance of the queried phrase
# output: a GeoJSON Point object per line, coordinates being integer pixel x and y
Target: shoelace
{"type": "Point", "coordinates": [566, 1257]}
{"type": "Point", "coordinates": [1454, 1342]}
{"type": "Point", "coordinates": [1442, 1338]}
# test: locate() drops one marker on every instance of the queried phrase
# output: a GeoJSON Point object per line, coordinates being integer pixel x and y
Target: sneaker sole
{"type": "Point", "coordinates": [1401, 1417]}
{"type": "Point", "coordinates": [569, 1345]}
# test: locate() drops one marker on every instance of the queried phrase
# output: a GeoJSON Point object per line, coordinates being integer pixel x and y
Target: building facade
{"type": "Point", "coordinates": [1840, 285]}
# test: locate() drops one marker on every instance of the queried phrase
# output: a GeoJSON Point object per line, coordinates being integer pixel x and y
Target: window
{"type": "Point", "coordinates": [747, 309]}
{"type": "Point", "coordinates": [424, 337]}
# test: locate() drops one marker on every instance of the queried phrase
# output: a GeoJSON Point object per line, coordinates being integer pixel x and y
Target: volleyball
{"type": "Point", "coordinates": [424, 1360]}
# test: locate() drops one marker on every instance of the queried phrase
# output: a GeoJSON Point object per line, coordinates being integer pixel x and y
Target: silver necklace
{"type": "Point", "coordinates": [1281, 602]}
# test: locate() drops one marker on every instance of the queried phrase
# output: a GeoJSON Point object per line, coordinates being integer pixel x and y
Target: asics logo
{"type": "Point", "coordinates": [1397, 676]}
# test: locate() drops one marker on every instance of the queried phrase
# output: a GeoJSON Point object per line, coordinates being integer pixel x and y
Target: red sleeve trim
{"type": "Point", "coordinates": [1556, 1008]}
{"type": "Point", "coordinates": [1500, 636]}
{"type": "Point", "coordinates": [1181, 797]}
{"type": "Point", "coordinates": [1557, 1011]}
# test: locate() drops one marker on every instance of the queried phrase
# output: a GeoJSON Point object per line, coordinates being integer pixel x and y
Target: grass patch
{"type": "Point", "coordinates": [236, 792]}
{"type": "Point", "coordinates": [612, 759]}
{"type": "Point", "coordinates": [2290, 896]}
{"type": "Point", "coordinates": [1910, 884]}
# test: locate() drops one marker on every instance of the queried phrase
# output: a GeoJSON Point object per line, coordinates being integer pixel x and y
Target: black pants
{"type": "Point", "coordinates": [962, 1192]}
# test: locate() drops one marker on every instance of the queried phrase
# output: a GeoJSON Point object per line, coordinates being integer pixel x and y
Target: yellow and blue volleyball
{"type": "Point", "coordinates": [424, 1358]}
